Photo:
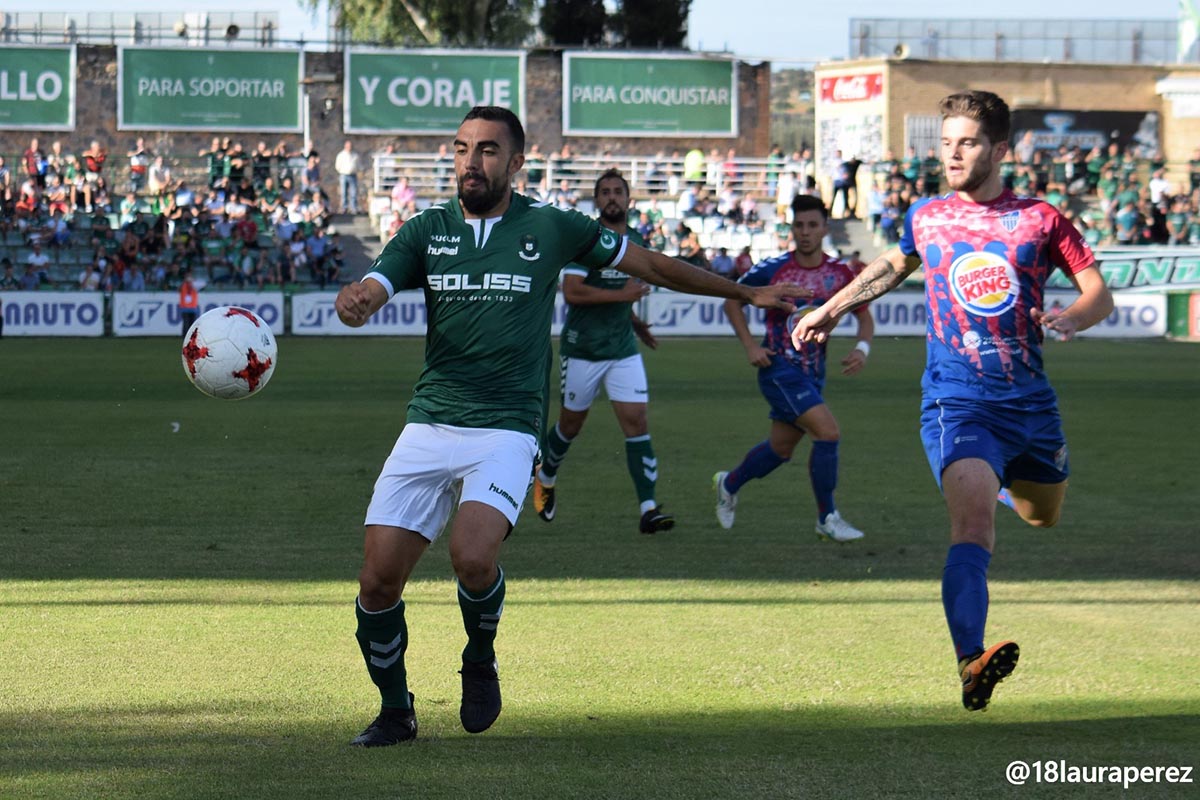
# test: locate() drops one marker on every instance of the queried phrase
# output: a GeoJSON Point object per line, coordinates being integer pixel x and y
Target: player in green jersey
{"type": "Point", "coordinates": [488, 262]}
{"type": "Point", "coordinates": [599, 345]}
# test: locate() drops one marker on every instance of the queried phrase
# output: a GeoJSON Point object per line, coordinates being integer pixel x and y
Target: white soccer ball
{"type": "Point", "coordinates": [229, 353]}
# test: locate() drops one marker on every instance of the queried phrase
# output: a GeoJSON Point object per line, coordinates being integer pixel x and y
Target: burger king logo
{"type": "Point", "coordinates": [983, 283]}
{"type": "Point", "coordinates": [801, 311]}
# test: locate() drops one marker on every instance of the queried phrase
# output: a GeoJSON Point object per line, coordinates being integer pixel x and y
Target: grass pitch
{"type": "Point", "coordinates": [177, 578]}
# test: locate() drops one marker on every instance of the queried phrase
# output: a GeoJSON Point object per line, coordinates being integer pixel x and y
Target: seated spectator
{"type": "Point", "coordinates": [269, 198]}
{"type": "Point", "coordinates": [38, 262]}
{"type": "Point", "coordinates": [134, 279]}
{"type": "Point", "coordinates": [320, 251]}
{"type": "Point", "coordinates": [319, 212]}
{"type": "Point", "coordinates": [402, 193]}
{"type": "Point", "coordinates": [30, 279]}
{"type": "Point", "coordinates": [564, 196]}
{"type": "Point", "coordinates": [158, 177]}
{"type": "Point", "coordinates": [295, 257]}
{"type": "Point", "coordinates": [8, 281]}
{"type": "Point", "coordinates": [395, 224]}
{"type": "Point", "coordinates": [58, 233]}
{"type": "Point", "coordinates": [689, 247]}
{"type": "Point", "coordinates": [89, 278]}
{"type": "Point", "coordinates": [722, 263]}
{"type": "Point", "coordinates": [336, 258]}
{"type": "Point", "coordinates": [743, 263]}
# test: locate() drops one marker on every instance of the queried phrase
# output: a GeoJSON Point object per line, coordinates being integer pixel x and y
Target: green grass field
{"type": "Point", "coordinates": [178, 620]}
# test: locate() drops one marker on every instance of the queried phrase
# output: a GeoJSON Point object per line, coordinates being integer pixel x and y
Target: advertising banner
{"type": "Point", "coordinates": [179, 89]}
{"type": "Point", "coordinates": [674, 314]}
{"type": "Point", "coordinates": [313, 315]}
{"type": "Point", "coordinates": [1145, 269]}
{"type": "Point", "coordinates": [428, 91]}
{"type": "Point", "coordinates": [157, 313]}
{"type": "Point", "coordinates": [1134, 316]}
{"type": "Point", "coordinates": [52, 313]}
{"type": "Point", "coordinates": [648, 95]}
{"type": "Point", "coordinates": [852, 88]}
{"type": "Point", "coordinates": [37, 87]}
{"type": "Point", "coordinates": [1053, 128]}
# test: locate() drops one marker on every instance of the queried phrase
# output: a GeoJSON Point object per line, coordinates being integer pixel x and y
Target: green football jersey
{"type": "Point", "coordinates": [489, 293]}
{"type": "Point", "coordinates": [600, 332]}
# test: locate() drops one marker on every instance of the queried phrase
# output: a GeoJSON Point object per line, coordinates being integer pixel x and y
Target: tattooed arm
{"type": "Point", "coordinates": [877, 278]}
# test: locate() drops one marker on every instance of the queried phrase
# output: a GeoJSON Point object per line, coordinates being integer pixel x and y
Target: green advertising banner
{"type": "Point", "coordinates": [623, 95]}
{"type": "Point", "coordinates": [183, 88]}
{"type": "Point", "coordinates": [37, 87]}
{"type": "Point", "coordinates": [428, 91]}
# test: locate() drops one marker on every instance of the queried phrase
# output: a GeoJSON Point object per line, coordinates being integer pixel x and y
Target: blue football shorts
{"type": "Point", "coordinates": [788, 391]}
{"type": "Point", "coordinates": [1019, 444]}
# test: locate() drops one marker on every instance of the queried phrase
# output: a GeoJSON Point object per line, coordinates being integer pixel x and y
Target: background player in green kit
{"type": "Point", "coordinates": [488, 262]}
{"type": "Point", "coordinates": [598, 346]}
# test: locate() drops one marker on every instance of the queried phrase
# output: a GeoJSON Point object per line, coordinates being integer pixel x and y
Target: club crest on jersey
{"type": "Point", "coordinates": [1011, 220]}
{"type": "Point", "coordinates": [983, 283]}
{"type": "Point", "coordinates": [529, 248]}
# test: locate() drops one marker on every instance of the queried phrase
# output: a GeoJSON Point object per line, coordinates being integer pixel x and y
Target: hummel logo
{"type": "Point", "coordinates": [503, 494]}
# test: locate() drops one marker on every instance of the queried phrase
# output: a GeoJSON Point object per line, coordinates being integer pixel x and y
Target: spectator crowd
{"type": "Point", "coordinates": [256, 217]}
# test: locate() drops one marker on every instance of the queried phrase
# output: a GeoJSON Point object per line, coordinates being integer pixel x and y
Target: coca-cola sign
{"type": "Point", "coordinates": [852, 88]}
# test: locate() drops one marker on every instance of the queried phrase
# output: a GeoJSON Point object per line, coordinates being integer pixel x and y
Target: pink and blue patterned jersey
{"type": "Point", "coordinates": [986, 266]}
{"type": "Point", "coordinates": [824, 281]}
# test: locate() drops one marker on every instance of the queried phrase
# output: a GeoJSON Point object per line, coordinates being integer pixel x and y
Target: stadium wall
{"type": "Point", "coordinates": [91, 314]}
{"type": "Point", "coordinates": [96, 117]}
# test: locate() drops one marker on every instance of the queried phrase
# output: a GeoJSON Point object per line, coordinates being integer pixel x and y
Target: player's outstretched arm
{"type": "Point", "coordinates": [877, 279]}
{"type": "Point", "coordinates": [578, 293]}
{"type": "Point", "coordinates": [356, 302]}
{"type": "Point", "coordinates": [1095, 303]}
{"type": "Point", "coordinates": [671, 273]}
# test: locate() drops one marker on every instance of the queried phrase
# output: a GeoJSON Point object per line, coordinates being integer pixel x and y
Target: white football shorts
{"type": "Point", "coordinates": [433, 468]}
{"type": "Point", "coordinates": [624, 381]}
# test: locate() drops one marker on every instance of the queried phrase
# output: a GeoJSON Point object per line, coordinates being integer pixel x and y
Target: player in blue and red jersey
{"type": "Point", "coordinates": [989, 419]}
{"type": "Point", "coordinates": [791, 377]}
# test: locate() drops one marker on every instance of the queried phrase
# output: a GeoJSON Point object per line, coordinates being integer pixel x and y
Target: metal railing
{"type": "Point", "coordinates": [185, 29]}
{"type": "Point", "coordinates": [647, 175]}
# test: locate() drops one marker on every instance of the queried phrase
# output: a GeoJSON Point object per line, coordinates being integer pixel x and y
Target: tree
{"type": "Point", "coordinates": [651, 24]}
{"type": "Point", "coordinates": [451, 23]}
{"type": "Point", "coordinates": [573, 22]}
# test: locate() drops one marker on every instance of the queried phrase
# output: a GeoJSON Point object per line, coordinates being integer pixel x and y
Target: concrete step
{"type": "Point", "coordinates": [360, 243]}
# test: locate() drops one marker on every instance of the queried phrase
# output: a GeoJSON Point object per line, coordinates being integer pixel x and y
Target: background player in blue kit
{"type": "Point", "coordinates": [791, 377]}
{"type": "Point", "coordinates": [989, 417]}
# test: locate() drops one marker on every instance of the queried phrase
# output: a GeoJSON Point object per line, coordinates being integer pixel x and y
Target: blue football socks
{"type": "Point", "coordinates": [758, 463]}
{"type": "Point", "coordinates": [823, 470]}
{"type": "Point", "coordinates": [965, 596]}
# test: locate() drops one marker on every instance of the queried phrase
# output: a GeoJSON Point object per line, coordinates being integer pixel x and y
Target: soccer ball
{"type": "Point", "coordinates": [229, 353]}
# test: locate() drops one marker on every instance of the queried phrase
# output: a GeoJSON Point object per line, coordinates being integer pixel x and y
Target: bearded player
{"type": "Point", "coordinates": [989, 418]}
{"type": "Point", "coordinates": [791, 378]}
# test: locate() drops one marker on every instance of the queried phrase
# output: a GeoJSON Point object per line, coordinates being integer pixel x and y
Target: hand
{"type": "Point", "coordinates": [1056, 321]}
{"type": "Point", "coordinates": [775, 296]}
{"type": "Point", "coordinates": [353, 304]}
{"type": "Point", "coordinates": [853, 362]}
{"type": "Point", "coordinates": [759, 356]}
{"type": "Point", "coordinates": [633, 290]}
{"type": "Point", "coordinates": [642, 331]}
{"type": "Point", "coordinates": [814, 326]}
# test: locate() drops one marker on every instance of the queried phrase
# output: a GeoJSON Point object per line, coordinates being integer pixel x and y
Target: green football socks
{"type": "Point", "coordinates": [554, 450]}
{"type": "Point", "coordinates": [481, 615]}
{"type": "Point", "coordinates": [383, 638]}
{"type": "Point", "coordinates": [643, 467]}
